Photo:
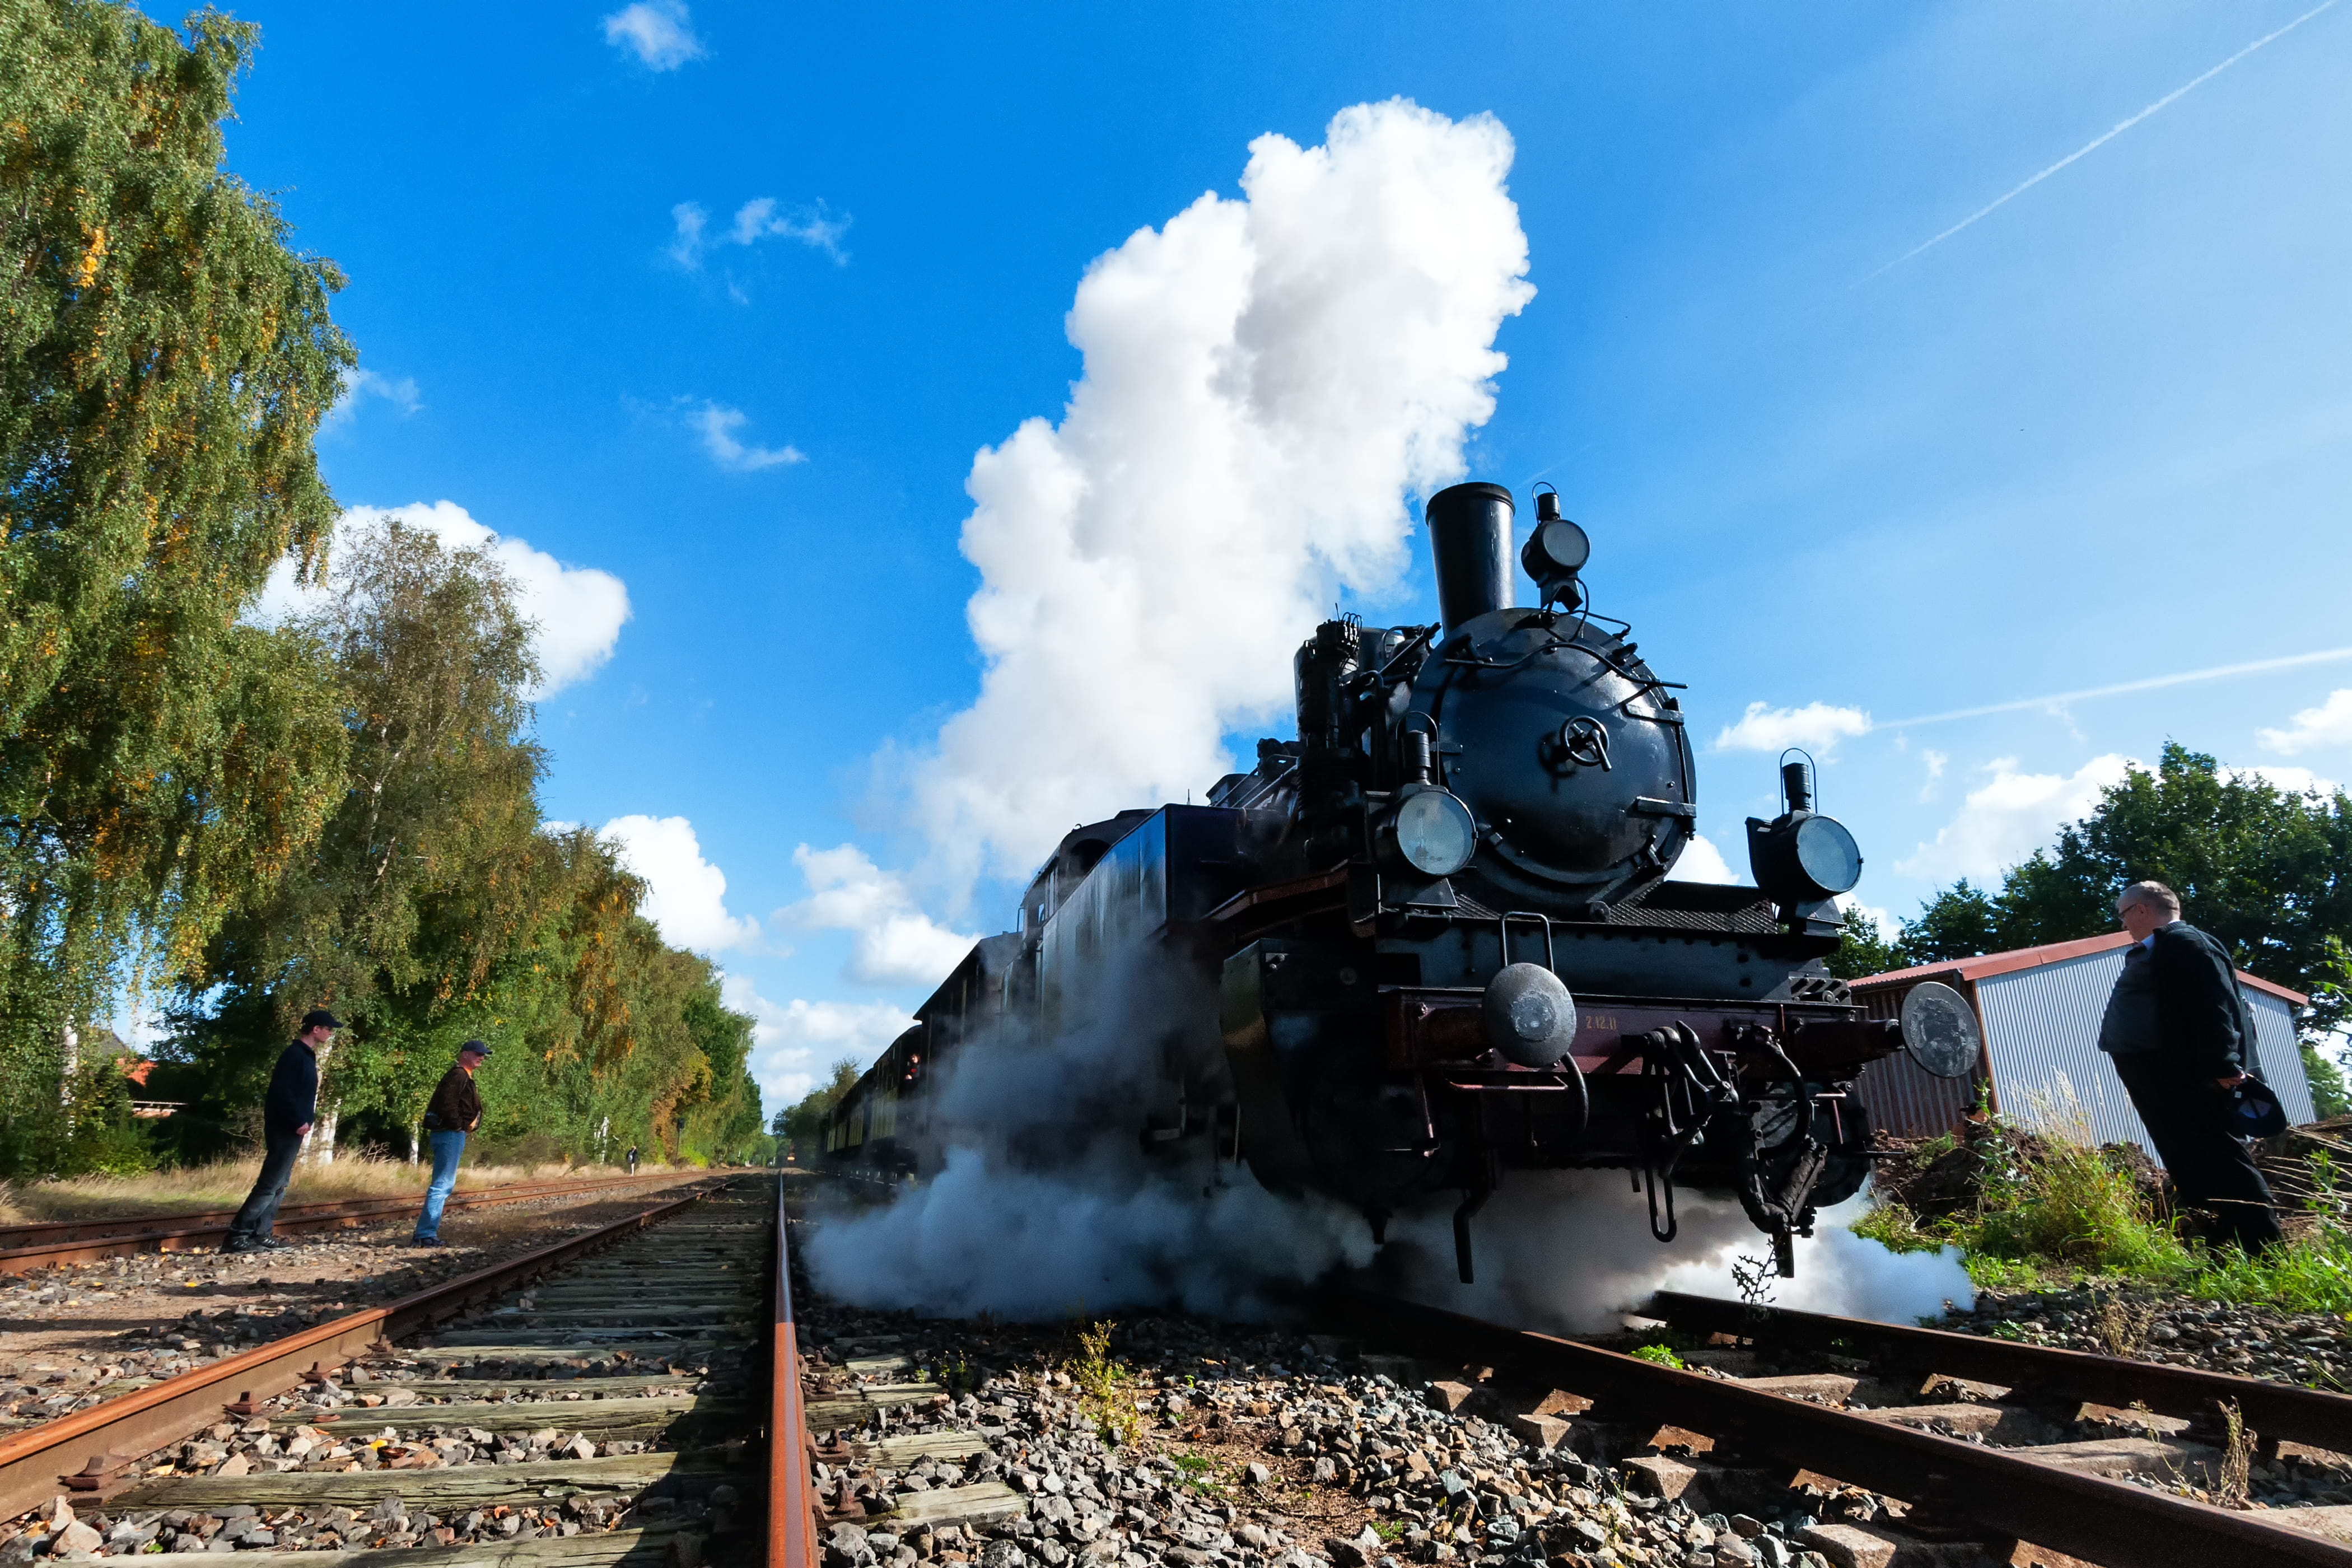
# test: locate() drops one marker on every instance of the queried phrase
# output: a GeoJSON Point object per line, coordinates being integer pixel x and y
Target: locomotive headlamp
{"type": "Point", "coordinates": [1555, 553]}
{"type": "Point", "coordinates": [1801, 857]}
{"type": "Point", "coordinates": [1435, 833]}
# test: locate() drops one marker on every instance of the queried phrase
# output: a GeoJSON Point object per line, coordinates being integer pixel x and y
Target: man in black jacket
{"type": "Point", "coordinates": [286, 1114]}
{"type": "Point", "coordinates": [2182, 1036]}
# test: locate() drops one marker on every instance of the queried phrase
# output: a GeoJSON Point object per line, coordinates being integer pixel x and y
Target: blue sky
{"type": "Point", "coordinates": [2097, 435]}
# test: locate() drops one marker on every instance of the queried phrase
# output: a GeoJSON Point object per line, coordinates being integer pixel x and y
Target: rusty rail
{"type": "Point", "coordinates": [791, 1493]}
{"type": "Point", "coordinates": [45, 1243]}
{"type": "Point", "coordinates": [2003, 1493]}
{"type": "Point", "coordinates": [2275, 1410]}
{"type": "Point", "coordinates": [90, 1449]}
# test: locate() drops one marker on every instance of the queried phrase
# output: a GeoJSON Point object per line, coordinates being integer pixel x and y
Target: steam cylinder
{"type": "Point", "coordinates": [1470, 537]}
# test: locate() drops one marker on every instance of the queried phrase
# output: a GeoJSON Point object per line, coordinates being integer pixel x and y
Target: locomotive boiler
{"type": "Point", "coordinates": [1436, 938]}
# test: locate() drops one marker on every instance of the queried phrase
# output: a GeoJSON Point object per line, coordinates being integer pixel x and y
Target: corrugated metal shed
{"type": "Point", "coordinates": [2041, 1008]}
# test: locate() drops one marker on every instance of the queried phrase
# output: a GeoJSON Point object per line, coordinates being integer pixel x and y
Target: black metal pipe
{"type": "Point", "coordinates": [1470, 540]}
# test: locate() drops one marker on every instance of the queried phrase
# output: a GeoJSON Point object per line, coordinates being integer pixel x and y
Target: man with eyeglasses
{"type": "Point", "coordinates": [2180, 1037]}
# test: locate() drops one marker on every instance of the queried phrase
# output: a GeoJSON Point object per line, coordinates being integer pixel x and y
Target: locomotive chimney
{"type": "Point", "coordinates": [1470, 537]}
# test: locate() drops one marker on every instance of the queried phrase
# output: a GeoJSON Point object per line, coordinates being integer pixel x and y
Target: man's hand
{"type": "Point", "coordinates": [2231, 1082]}
{"type": "Point", "coordinates": [303, 1131]}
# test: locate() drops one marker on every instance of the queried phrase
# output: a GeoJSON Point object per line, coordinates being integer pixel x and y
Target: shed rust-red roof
{"type": "Point", "coordinates": [1992, 964]}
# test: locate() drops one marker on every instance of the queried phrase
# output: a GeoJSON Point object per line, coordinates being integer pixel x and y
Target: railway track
{"type": "Point", "coordinates": [610, 1400]}
{"type": "Point", "coordinates": [603, 1400]}
{"type": "Point", "coordinates": [1989, 1450]}
{"type": "Point", "coordinates": [48, 1243]}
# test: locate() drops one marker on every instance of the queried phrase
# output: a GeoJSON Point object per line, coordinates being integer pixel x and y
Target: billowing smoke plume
{"type": "Point", "coordinates": [1269, 381]}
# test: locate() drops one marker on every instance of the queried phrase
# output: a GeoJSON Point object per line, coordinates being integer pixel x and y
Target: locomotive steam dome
{"type": "Point", "coordinates": [1569, 753]}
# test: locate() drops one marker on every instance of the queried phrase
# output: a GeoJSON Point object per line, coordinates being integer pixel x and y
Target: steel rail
{"type": "Point", "coordinates": [2276, 1411]}
{"type": "Point", "coordinates": [24, 1247]}
{"type": "Point", "coordinates": [89, 1450]}
{"type": "Point", "coordinates": [791, 1493]}
{"type": "Point", "coordinates": [2004, 1492]}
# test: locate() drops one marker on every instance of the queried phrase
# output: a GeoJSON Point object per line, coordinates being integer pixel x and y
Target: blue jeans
{"type": "Point", "coordinates": [447, 1147]}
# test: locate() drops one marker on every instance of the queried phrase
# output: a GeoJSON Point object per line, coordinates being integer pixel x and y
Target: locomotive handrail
{"type": "Point", "coordinates": [1503, 925]}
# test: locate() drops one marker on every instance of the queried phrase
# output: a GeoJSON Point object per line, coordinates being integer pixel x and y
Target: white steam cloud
{"type": "Point", "coordinates": [1267, 380]}
{"type": "Point", "coordinates": [1571, 1251]}
{"type": "Point", "coordinates": [1041, 1201]}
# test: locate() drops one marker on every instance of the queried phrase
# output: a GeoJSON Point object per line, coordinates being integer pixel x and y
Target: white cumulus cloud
{"type": "Point", "coordinates": [1703, 862]}
{"type": "Point", "coordinates": [2009, 817]}
{"type": "Point", "coordinates": [1817, 727]}
{"type": "Point", "coordinates": [659, 32]}
{"type": "Point", "coordinates": [2294, 781]}
{"type": "Point", "coordinates": [2329, 724]}
{"type": "Point", "coordinates": [897, 944]}
{"type": "Point", "coordinates": [1268, 381]}
{"type": "Point", "coordinates": [795, 1044]}
{"type": "Point", "coordinates": [578, 610]}
{"type": "Point", "coordinates": [719, 424]}
{"type": "Point", "coordinates": [686, 896]}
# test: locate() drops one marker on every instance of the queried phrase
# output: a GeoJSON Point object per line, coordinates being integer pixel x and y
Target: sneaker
{"type": "Point", "coordinates": [238, 1244]}
{"type": "Point", "coordinates": [276, 1243]}
{"type": "Point", "coordinates": [425, 1241]}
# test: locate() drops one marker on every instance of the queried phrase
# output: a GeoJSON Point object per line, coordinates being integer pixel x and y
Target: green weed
{"type": "Point", "coordinates": [1663, 1355]}
{"type": "Point", "coordinates": [1103, 1396]}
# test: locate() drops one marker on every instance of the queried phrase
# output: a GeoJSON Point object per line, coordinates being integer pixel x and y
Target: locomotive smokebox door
{"type": "Point", "coordinates": [1939, 1030]}
{"type": "Point", "coordinates": [1529, 1016]}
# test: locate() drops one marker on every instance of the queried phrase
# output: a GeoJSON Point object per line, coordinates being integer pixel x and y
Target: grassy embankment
{"type": "Point", "coordinates": [2055, 1210]}
{"type": "Point", "coordinates": [223, 1184]}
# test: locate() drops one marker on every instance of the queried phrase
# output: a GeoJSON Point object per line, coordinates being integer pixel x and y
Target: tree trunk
{"type": "Point", "coordinates": [70, 1053]}
{"type": "Point", "coordinates": [411, 1144]}
{"type": "Point", "coordinates": [322, 1138]}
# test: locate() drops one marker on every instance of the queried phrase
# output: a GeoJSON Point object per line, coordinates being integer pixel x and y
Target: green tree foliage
{"type": "Point", "coordinates": [437, 906]}
{"type": "Point", "coordinates": [2266, 870]}
{"type": "Point", "coordinates": [341, 809]}
{"type": "Point", "coordinates": [803, 1123]}
{"type": "Point", "coordinates": [439, 806]}
{"type": "Point", "coordinates": [164, 358]}
{"type": "Point", "coordinates": [1861, 950]}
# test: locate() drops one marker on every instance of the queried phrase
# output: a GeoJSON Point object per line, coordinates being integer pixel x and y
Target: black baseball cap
{"type": "Point", "coordinates": [320, 1018]}
{"type": "Point", "coordinates": [478, 1047]}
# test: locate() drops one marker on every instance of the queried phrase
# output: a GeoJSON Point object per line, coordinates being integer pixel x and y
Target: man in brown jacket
{"type": "Point", "coordinates": [455, 1111]}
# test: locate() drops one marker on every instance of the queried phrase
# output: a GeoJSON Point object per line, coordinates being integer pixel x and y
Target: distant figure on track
{"type": "Point", "coordinates": [286, 1114]}
{"type": "Point", "coordinates": [455, 1111]}
{"type": "Point", "coordinates": [2180, 1036]}
{"type": "Point", "coordinates": [633, 1159]}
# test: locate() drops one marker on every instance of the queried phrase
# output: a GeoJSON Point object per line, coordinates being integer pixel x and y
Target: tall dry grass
{"type": "Point", "coordinates": [223, 1184]}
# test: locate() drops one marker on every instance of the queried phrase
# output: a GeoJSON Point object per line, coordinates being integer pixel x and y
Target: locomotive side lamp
{"type": "Point", "coordinates": [1555, 552]}
{"type": "Point", "coordinates": [1801, 856]}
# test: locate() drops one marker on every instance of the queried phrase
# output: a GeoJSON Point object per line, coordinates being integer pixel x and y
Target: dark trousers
{"type": "Point", "coordinates": [260, 1211]}
{"type": "Point", "coordinates": [2211, 1168]}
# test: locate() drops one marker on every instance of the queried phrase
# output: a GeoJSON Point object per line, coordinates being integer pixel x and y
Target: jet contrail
{"type": "Point", "coordinates": [2097, 143]}
{"type": "Point", "coordinates": [2324, 656]}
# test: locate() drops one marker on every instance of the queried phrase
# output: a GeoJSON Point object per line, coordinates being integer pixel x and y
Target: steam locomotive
{"type": "Point", "coordinates": [1434, 938]}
